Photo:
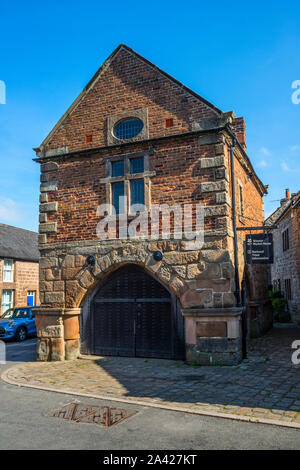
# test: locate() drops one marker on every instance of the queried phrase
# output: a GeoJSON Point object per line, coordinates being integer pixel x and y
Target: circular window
{"type": "Point", "coordinates": [128, 128]}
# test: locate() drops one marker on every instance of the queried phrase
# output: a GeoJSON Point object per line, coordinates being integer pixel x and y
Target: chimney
{"type": "Point", "coordinates": [286, 198]}
{"type": "Point", "coordinates": [239, 128]}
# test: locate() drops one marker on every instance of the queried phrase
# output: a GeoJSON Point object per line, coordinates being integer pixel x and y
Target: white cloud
{"type": "Point", "coordinates": [294, 148]}
{"type": "Point", "coordinates": [10, 211]}
{"type": "Point", "coordinates": [263, 163]}
{"type": "Point", "coordinates": [265, 151]}
{"type": "Point", "coordinates": [285, 166]}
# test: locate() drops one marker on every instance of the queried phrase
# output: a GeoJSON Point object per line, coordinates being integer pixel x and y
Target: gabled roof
{"type": "Point", "coordinates": [97, 75]}
{"type": "Point", "coordinates": [283, 208]}
{"type": "Point", "coordinates": [17, 243]}
{"type": "Point", "coordinates": [272, 219]}
{"type": "Point", "coordinates": [296, 199]}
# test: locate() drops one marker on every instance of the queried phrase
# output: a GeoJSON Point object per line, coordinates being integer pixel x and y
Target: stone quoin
{"type": "Point", "coordinates": [170, 146]}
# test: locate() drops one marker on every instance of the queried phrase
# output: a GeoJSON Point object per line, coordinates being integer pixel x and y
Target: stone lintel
{"type": "Point", "coordinates": [140, 153]}
{"type": "Point", "coordinates": [116, 179]}
{"type": "Point", "coordinates": [212, 312]}
{"type": "Point", "coordinates": [57, 311]}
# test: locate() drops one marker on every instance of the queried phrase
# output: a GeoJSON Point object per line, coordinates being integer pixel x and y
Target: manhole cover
{"type": "Point", "coordinates": [82, 413]}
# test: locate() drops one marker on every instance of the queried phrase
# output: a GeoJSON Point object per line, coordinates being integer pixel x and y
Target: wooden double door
{"type": "Point", "coordinates": [134, 315]}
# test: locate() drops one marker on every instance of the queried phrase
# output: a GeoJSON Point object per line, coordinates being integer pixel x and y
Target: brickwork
{"type": "Point", "coordinates": [25, 278]}
{"type": "Point", "coordinates": [250, 213]}
{"type": "Point", "coordinates": [135, 85]}
{"type": "Point", "coordinates": [187, 168]}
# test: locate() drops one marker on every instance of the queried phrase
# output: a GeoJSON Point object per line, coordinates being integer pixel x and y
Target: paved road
{"type": "Point", "coordinates": [24, 424]}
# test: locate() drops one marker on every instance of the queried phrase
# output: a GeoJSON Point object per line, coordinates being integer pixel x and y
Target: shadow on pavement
{"type": "Point", "coordinates": [20, 351]}
{"type": "Point", "coordinates": [266, 379]}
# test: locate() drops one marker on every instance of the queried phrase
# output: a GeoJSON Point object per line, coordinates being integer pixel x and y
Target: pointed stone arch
{"type": "Point", "coordinates": [131, 312]}
{"type": "Point", "coordinates": [87, 278]}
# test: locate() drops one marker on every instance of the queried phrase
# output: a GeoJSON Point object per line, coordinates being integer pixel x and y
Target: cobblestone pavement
{"type": "Point", "coordinates": [265, 386]}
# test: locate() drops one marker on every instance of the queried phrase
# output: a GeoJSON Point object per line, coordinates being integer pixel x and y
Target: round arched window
{"type": "Point", "coordinates": [128, 128]}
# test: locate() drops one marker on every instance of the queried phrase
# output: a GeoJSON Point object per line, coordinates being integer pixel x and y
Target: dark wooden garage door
{"type": "Point", "coordinates": [134, 315]}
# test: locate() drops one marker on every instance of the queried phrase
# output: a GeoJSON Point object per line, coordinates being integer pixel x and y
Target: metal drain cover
{"type": "Point", "coordinates": [83, 413]}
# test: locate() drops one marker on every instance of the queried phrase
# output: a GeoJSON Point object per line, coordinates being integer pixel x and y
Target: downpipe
{"type": "Point", "coordinates": [237, 293]}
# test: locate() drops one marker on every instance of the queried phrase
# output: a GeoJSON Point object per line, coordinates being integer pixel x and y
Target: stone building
{"type": "Point", "coordinates": [19, 267]}
{"type": "Point", "coordinates": [135, 131]}
{"type": "Point", "coordinates": [285, 271]}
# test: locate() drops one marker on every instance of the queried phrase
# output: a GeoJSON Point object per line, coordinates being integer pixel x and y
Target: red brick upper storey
{"type": "Point", "coordinates": [127, 82]}
{"type": "Point", "coordinates": [181, 130]}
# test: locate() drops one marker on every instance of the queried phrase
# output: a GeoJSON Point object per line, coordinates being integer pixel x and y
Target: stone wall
{"type": "Point", "coordinates": [199, 279]}
{"type": "Point", "coordinates": [25, 278]}
{"type": "Point", "coordinates": [287, 263]}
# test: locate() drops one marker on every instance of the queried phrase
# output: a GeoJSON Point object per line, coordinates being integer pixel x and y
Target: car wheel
{"type": "Point", "coordinates": [21, 334]}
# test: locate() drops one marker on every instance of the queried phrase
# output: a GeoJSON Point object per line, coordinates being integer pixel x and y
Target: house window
{"type": "Point", "coordinates": [285, 240]}
{"type": "Point", "coordinates": [118, 168]}
{"type": "Point", "coordinates": [118, 193]}
{"type": "Point", "coordinates": [136, 165]}
{"type": "Point", "coordinates": [288, 289]}
{"type": "Point", "coordinates": [128, 128]}
{"type": "Point", "coordinates": [7, 300]}
{"type": "Point", "coordinates": [128, 181]}
{"type": "Point", "coordinates": [241, 202]}
{"type": "Point", "coordinates": [137, 192]}
{"type": "Point", "coordinates": [8, 270]}
{"type": "Point", "coordinates": [30, 298]}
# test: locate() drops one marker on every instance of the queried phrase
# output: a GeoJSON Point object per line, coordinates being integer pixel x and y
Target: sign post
{"type": "Point", "coordinates": [259, 248]}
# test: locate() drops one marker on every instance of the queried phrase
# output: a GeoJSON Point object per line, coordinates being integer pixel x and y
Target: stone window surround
{"type": "Point", "coordinates": [146, 176]}
{"type": "Point", "coordinates": [11, 270]}
{"type": "Point", "coordinates": [285, 239]}
{"type": "Point", "coordinates": [241, 211]}
{"type": "Point", "coordinates": [113, 119]}
{"type": "Point", "coordinates": [12, 299]}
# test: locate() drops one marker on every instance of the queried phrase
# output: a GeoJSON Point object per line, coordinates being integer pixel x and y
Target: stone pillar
{"type": "Point", "coordinates": [58, 334]}
{"type": "Point", "coordinates": [213, 336]}
{"type": "Point", "coordinates": [71, 333]}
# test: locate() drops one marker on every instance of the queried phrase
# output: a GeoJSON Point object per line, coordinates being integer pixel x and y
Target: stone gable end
{"type": "Point", "coordinates": [128, 84]}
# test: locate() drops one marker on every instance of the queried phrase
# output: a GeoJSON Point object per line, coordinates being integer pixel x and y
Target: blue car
{"type": "Point", "coordinates": [18, 323]}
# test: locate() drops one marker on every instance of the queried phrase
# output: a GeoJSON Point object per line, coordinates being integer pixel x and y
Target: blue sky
{"type": "Point", "coordinates": [241, 58]}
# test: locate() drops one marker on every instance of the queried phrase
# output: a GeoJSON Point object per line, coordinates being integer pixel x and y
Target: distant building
{"type": "Point", "coordinates": [19, 267]}
{"type": "Point", "coordinates": [285, 271]}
